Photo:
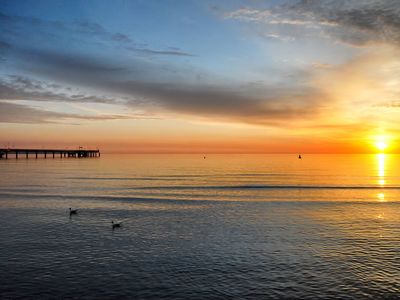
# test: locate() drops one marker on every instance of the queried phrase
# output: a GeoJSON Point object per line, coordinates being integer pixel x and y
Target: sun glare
{"type": "Point", "coordinates": [381, 145]}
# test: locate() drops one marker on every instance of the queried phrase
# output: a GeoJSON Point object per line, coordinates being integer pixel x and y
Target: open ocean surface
{"type": "Point", "coordinates": [224, 227]}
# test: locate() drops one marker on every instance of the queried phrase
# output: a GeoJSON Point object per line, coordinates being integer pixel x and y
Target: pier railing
{"type": "Point", "coordinates": [18, 152]}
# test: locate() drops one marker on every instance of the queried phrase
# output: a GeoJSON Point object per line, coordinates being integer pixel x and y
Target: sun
{"type": "Point", "coordinates": [381, 145]}
{"type": "Point", "coordinates": [382, 142]}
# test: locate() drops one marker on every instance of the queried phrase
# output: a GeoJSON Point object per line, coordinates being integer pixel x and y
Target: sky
{"type": "Point", "coordinates": [235, 76]}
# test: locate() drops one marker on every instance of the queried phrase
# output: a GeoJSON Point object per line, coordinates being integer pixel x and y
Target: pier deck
{"type": "Point", "coordinates": [17, 152]}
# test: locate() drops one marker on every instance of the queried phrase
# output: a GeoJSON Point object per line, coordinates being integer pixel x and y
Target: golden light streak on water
{"type": "Point", "coordinates": [381, 169]}
{"type": "Point", "coordinates": [381, 197]}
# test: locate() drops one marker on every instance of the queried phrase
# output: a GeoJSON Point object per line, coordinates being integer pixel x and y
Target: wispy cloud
{"type": "Point", "coordinates": [352, 22]}
{"type": "Point", "coordinates": [277, 16]}
{"type": "Point", "coordinates": [145, 51]}
{"type": "Point", "coordinates": [23, 88]}
{"type": "Point", "coordinates": [83, 31]}
{"type": "Point", "coordinates": [18, 113]}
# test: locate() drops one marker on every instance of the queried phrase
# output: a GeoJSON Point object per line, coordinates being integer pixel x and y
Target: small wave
{"type": "Point", "coordinates": [114, 178]}
{"type": "Point", "coordinates": [188, 199]}
{"type": "Point", "coordinates": [185, 177]}
{"type": "Point", "coordinates": [24, 196]}
{"type": "Point", "coordinates": [270, 187]}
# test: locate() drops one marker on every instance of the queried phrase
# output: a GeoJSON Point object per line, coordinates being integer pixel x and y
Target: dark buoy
{"type": "Point", "coordinates": [116, 225]}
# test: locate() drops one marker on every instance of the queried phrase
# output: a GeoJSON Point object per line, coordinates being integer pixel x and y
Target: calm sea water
{"type": "Point", "coordinates": [228, 226]}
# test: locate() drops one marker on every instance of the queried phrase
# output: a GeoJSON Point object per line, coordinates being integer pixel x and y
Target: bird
{"type": "Point", "coordinates": [116, 224]}
{"type": "Point", "coordinates": [73, 211]}
{"type": "Point", "coordinates": [299, 156]}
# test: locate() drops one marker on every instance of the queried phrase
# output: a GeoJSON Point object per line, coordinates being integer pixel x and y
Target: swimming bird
{"type": "Point", "coordinates": [299, 156]}
{"type": "Point", "coordinates": [73, 211]}
{"type": "Point", "coordinates": [116, 224]}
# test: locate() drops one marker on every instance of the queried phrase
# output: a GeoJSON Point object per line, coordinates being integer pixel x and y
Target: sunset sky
{"type": "Point", "coordinates": [201, 76]}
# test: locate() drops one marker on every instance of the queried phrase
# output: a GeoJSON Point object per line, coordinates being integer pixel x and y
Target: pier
{"type": "Point", "coordinates": [45, 153]}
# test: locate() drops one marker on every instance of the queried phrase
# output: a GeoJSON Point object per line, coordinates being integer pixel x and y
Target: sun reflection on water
{"type": "Point", "coordinates": [381, 197]}
{"type": "Point", "coordinates": [381, 169]}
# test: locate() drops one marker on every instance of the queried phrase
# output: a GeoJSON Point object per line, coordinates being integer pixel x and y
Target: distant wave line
{"type": "Point", "coordinates": [187, 200]}
{"type": "Point", "coordinates": [182, 177]}
{"type": "Point", "coordinates": [270, 187]}
{"type": "Point", "coordinates": [233, 187]}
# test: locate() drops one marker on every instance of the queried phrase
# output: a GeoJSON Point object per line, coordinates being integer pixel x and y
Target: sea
{"type": "Point", "coordinates": [201, 227]}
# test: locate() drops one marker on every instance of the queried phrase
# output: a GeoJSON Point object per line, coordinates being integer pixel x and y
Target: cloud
{"type": "Point", "coordinates": [18, 113]}
{"type": "Point", "coordinates": [24, 88]}
{"type": "Point", "coordinates": [353, 22]}
{"type": "Point", "coordinates": [276, 106]}
{"type": "Point", "coordinates": [359, 22]}
{"type": "Point", "coordinates": [84, 31]}
{"type": "Point", "coordinates": [120, 37]}
{"type": "Point", "coordinates": [175, 52]}
{"type": "Point", "coordinates": [4, 45]}
{"type": "Point", "coordinates": [18, 25]}
{"type": "Point", "coordinates": [392, 104]}
{"type": "Point", "coordinates": [245, 103]}
{"type": "Point", "coordinates": [155, 89]}
{"type": "Point", "coordinates": [68, 62]}
{"type": "Point", "coordinates": [153, 86]}
{"type": "Point", "coordinates": [276, 16]}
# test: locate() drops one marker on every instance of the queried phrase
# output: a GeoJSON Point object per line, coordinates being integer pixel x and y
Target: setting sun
{"type": "Point", "coordinates": [381, 145]}
{"type": "Point", "coordinates": [382, 142]}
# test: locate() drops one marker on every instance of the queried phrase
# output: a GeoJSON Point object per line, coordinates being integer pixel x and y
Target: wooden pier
{"type": "Point", "coordinates": [53, 153]}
